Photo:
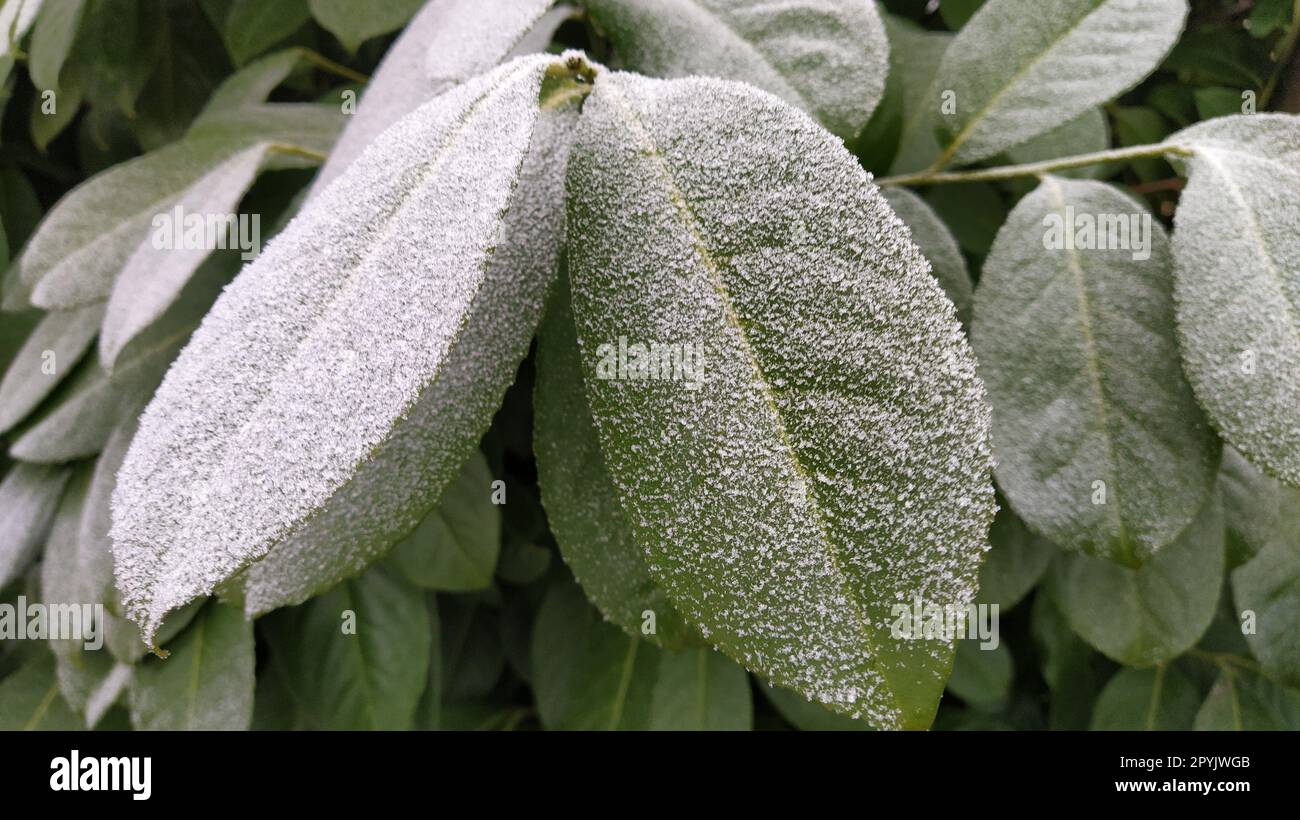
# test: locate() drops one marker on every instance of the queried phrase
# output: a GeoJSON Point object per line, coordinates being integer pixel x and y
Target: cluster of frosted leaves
{"type": "Point", "coordinates": [914, 58]}
{"type": "Point", "coordinates": [29, 496]}
{"type": "Point", "coordinates": [582, 506]}
{"type": "Point", "coordinates": [446, 43]}
{"type": "Point", "coordinates": [1020, 68]}
{"type": "Point", "coordinates": [303, 441]}
{"type": "Point", "coordinates": [833, 460]}
{"type": "Point", "coordinates": [1077, 347]}
{"type": "Point", "coordinates": [828, 57]}
{"type": "Point", "coordinates": [1236, 246]}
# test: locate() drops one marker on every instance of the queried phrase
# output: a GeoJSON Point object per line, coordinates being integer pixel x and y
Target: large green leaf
{"type": "Point", "coordinates": [1100, 443]}
{"type": "Point", "coordinates": [1238, 287]}
{"type": "Point", "coordinates": [938, 244]}
{"type": "Point", "coordinates": [1159, 699]}
{"type": "Point", "coordinates": [447, 43]}
{"type": "Point", "coordinates": [356, 657]}
{"type": "Point", "coordinates": [354, 23]}
{"type": "Point", "coordinates": [1148, 615]}
{"type": "Point", "coordinates": [1243, 699]}
{"type": "Point", "coordinates": [828, 57]}
{"type": "Point", "coordinates": [582, 505]}
{"type": "Point", "coordinates": [50, 353]}
{"type": "Point", "coordinates": [587, 674]}
{"type": "Point", "coordinates": [416, 289]}
{"type": "Point", "coordinates": [1020, 68]}
{"type": "Point", "coordinates": [205, 683]}
{"type": "Point", "coordinates": [1269, 586]}
{"type": "Point", "coordinates": [830, 457]}
{"type": "Point", "coordinates": [29, 496]}
{"type": "Point", "coordinates": [455, 547]}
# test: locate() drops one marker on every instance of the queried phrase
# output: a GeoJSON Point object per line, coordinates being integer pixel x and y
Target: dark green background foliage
{"type": "Point", "coordinates": [473, 620]}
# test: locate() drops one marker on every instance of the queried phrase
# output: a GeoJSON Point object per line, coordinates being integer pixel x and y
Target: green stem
{"type": "Point", "coordinates": [932, 177]}
{"type": "Point", "coordinates": [321, 61]}
{"type": "Point", "coordinates": [1286, 47]}
{"type": "Point", "coordinates": [298, 151]}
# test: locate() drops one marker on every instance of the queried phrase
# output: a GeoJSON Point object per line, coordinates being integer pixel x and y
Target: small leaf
{"type": "Point", "coordinates": [1160, 699]}
{"type": "Point", "coordinates": [587, 674]}
{"type": "Point", "coordinates": [1269, 586]}
{"type": "Point", "coordinates": [981, 677]}
{"type": "Point", "coordinates": [29, 497]}
{"type": "Point", "coordinates": [937, 243]}
{"type": "Point", "coordinates": [354, 23]}
{"type": "Point", "coordinates": [1144, 616]}
{"type": "Point", "coordinates": [447, 43]}
{"type": "Point", "coordinates": [835, 382]}
{"type": "Point", "coordinates": [1100, 444]}
{"type": "Point", "coordinates": [581, 503]}
{"type": "Point", "coordinates": [356, 657]}
{"type": "Point", "coordinates": [455, 547]}
{"type": "Point", "coordinates": [52, 37]}
{"type": "Point", "coordinates": [49, 354]}
{"type": "Point", "coordinates": [1244, 700]}
{"type": "Point", "coordinates": [472, 655]}
{"type": "Point", "coordinates": [1017, 560]}
{"type": "Point", "coordinates": [412, 287]}
{"type": "Point", "coordinates": [1258, 510]}
{"type": "Point", "coordinates": [206, 683]}
{"type": "Point", "coordinates": [914, 57]}
{"type": "Point", "coordinates": [30, 699]}
{"type": "Point", "coordinates": [1235, 246]}
{"type": "Point", "coordinates": [1008, 82]}
{"type": "Point", "coordinates": [253, 26]}
{"type": "Point", "coordinates": [829, 58]}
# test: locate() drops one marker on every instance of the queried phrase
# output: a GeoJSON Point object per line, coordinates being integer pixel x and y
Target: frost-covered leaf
{"type": "Point", "coordinates": [205, 683]}
{"type": "Point", "coordinates": [356, 657]}
{"type": "Point", "coordinates": [1159, 699]}
{"type": "Point", "coordinates": [29, 497]}
{"type": "Point", "coordinates": [455, 547]}
{"type": "Point", "coordinates": [588, 674]}
{"type": "Point", "coordinates": [50, 353]}
{"type": "Point", "coordinates": [1099, 441]}
{"type": "Point", "coordinates": [1257, 509]}
{"type": "Point", "coordinates": [914, 56]}
{"type": "Point", "coordinates": [1236, 242]}
{"type": "Point", "coordinates": [416, 282]}
{"type": "Point", "coordinates": [30, 699]}
{"type": "Point", "coordinates": [252, 84]}
{"type": "Point", "coordinates": [582, 506]}
{"type": "Point", "coordinates": [828, 57]}
{"type": "Point", "coordinates": [821, 451]}
{"type": "Point", "coordinates": [447, 43]}
{"type": "Point", "coordinates": [354, 23]}
{"type": "Point", "coordinates": [1148, 615]}
{"type": "Point", "coordinates": [1084, 134]}
{"type": "Point", "coordinates": [1269, 586]}
{"type": "Point", "coordinates": [937, 243]}
{"type": "Point", "coordinates": [1016, 561]}
{"type": "Point", "coordinates": [807, 715]}
{"type": "Point", "coordinates": [1020, 68]}
{"type": "Point", "coordinates": [981, 677]}
{"type": "Point", "coordinates": [1244, 700]}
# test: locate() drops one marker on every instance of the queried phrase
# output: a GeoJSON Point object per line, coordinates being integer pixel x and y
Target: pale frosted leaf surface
{"type": "Point", "coordinates": [328, 427]}
{"type": "Point", "coordinates": [1016, 562]}
{"type": "Point", "coordinates": [809, 716]}
{"type": "Point", "coordinates": [455, 547]}
{"type": "Point", "coordinates": [154, 276]}
{"type": "Point", "coordinates": [939, 246]}
{"type": "Point", "coordinates": [1020, 68]}
{"type": "Point", "coordinates": [914, 57]}
{"type": "Point", "coordinates": [1258, 510]}
{"type": "Point", "coordinates": [1076, 343]}
{"type": "Point", "coordinates": [66, 335]}
{"type": "Point", "coordinates": [828, 57]}
{"type": "Point", "coordinates": [1139, 617]}
{"type": "Point", "coordinates": [367, 676]}
{"type": "Point", "coordinates": [29, 497]}
{"type": "Point", "coordinates": [251, 84]}
{"type": "Point", "coordinates": [354, 23]}
{"type": "Point", "coordinates": [206, 683]}
{"type": "Point", "coordinates": [1085, 134]}
{"type": "Point", "coordinates": [1237, 257]}
{"type": "Point", "coordinates": [582, 506]}
{"type": "Point", "coordinates": [832, 460]}
{"type": "Point", "coordinates": [590, 675]}
{"type": "Point", "coordinates": [1269, 585]}
{"type": "Point", "coordinates": [16, 17]}
{"type": "Point", "coordinates": [447, 42]}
